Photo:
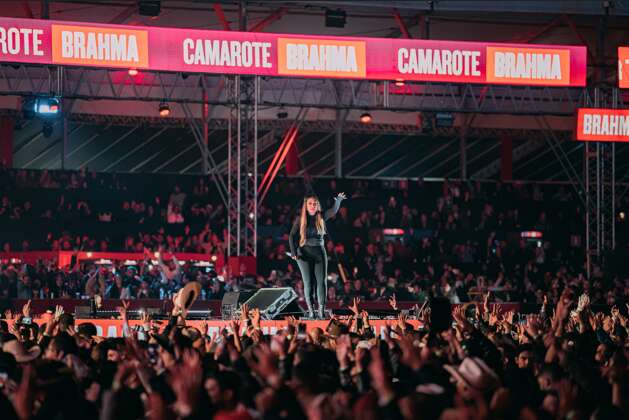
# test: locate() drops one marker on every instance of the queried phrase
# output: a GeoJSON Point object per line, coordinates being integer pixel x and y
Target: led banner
{"type": "Point", "coordinates": [623, 67]}
{"type": "Point", "coordinates": [201, 51]}
{"type": "Point", "coordinates": [596, 124]}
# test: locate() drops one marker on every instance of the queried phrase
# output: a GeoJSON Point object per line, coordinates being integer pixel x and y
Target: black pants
{"type": "Point", "coordinates": [313, 265]}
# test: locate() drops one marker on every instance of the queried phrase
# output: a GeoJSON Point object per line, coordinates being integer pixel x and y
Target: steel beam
{"type": "Point", "coordinates": [401, 24]}
{"type": "Point", "coordinates": [94, 84]}
{"type": "Point", "coordinates": [273, 17]}
{"type": "Point", "coordinates": [220, 14]}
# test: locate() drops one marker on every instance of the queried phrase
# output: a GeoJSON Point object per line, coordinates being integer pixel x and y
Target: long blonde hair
{"type": "Point", "coordinates": [303, 220]}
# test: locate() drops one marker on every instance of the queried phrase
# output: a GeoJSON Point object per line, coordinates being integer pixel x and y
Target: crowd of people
{"type": "Point", "coordinates": [565, 362]}
{"type": "Point", "coordinates": [391, 240]}
{"type": "Point", "coordinates": [410, 238]}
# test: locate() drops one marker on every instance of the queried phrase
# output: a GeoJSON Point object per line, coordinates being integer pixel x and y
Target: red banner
{"type": "Point", "coordinates": [113, 327]}
{"type": "Point", "coordinates": [596, 124]}
{"type": "Point", "coordinates": [201, 51]}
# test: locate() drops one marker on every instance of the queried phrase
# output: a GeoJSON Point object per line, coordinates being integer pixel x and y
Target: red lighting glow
{"type": "Point", "coordinates": [531, 234]}
{"type": "Point", "coordinates": [393, 232]}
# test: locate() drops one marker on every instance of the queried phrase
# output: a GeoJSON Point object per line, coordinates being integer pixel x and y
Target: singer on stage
{"type": "Point", "coordinates": [310, 255]}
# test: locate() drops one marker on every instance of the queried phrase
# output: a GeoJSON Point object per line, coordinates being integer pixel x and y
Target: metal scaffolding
{"type": "Point", "coordinates": [242, 166]}
{"type": "Point", "coordinates": [600, 187]}
{"type": "Point", "coordinates": [94, 84]}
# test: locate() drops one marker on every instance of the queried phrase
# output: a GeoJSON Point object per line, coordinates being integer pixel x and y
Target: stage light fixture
{"type": "Point", "coordinates": [49, 106]}
{"type": "Point", "coordinates": [164, 109]}
{"type": "Point", "coordinates": [399, 82]}
{"type": "Point", "coordinates": [150, 8]}
{"type": "Point", "coordinates": [444, 120]}
{"type": "Point", "coordinates": [366, 118]}
{"type": "Point", "coordinates": [133, 72]}
{"type": "Point", "coordinates": [282, 114]}
{"type": "Point", "coordinates": [335, 18]}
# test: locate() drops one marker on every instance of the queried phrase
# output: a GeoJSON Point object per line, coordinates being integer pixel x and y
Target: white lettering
{"type": "Point", "coordinates": [133, 52]}
{"type": "Point", "coordinates": [100, 46]}
{"type": "Point", "coordinates": [37, 33]}
{"type": "Point", "coordinates": [13, 36]}
{"type": "Point", "coordinates": [26, 41]}
{"type": "Point", "coordinates": [587, 124]}
{"type": "Point", "coordinates": [118, 46]}
{"type": "Point", "coordinates": [188, 57]}
{"type": "Point", "coordinates": [536, 66]}
{"type": "Point", "coordinates": [438, 62]}
{"type": "Point", "coordinates": [323, 58]}
{"type": "Point", "coordinates": [66, 44]}
{"type": "Point", "coordinates": [596, 124]}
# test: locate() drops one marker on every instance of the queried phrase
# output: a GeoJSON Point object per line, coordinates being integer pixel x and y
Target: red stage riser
{"type": "Point", "coordinates": [113, 327]}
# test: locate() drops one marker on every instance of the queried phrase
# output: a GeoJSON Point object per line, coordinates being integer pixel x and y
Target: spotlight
{"type": "Point", "coordinates": [47, 106]}
{"type": "Point", "coordinates": [164, 109]}
{"type": "Point", "coordinates": [366, 118]}
{"type": "Point", "coordinates": [282, 114]}
{"type": "Point", "coordinates": [149, 7]}
{"type": "Point", "coordinates": [133, 72]}
{"type": "Point", "coordinates": [335, 18]}
{"type": "Point", "coordinates": [399, 82]}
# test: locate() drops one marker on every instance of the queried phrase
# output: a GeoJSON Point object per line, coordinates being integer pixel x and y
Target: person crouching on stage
{"type": "Point", "coordinates": [310, 255]}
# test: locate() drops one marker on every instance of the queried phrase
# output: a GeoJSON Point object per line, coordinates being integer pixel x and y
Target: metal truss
{"type": "Point", "coordinates": [242, 164]}
{"type": "Point", "coordinates": [92, 84]}
{"type": "Point", "coordinates": [600, 187]}
{"type": "Point", "coordinates": [209, 165]}
{"type": "Point", "coordinates": [519, 152]}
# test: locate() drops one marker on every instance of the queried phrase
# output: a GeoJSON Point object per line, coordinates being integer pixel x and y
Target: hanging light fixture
{"type": "Point", "coordinates": [164, 109]}
{"type": "Point", "coordinates": [366, 118]}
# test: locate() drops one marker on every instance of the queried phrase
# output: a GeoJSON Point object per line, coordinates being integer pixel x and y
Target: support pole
{"type": "Point", "coordinates": [243, 165]}
{"type": "Point", "coordinates": [64, 144]}
{"type": "Point", "coordinates": [338, 146]}
{"type": "Point", "coordinates": [506, 158]}
{"type": "Point", "coordinates": [463, 154]}
{"type": "Point", "coordinates": [45, 9]}
{"type": "Point", "coordinates": [206, 130]}
{"type": "Point", "coordinates": [6, 141]}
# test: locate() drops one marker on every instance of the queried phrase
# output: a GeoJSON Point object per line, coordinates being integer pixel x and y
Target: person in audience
{"type": "Point", "coordinates": [569, 360]}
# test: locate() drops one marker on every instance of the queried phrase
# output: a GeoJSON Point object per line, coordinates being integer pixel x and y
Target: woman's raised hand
{"type": "Point", "coordinates": [341, 196]}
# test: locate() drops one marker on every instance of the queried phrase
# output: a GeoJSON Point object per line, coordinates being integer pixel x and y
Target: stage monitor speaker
{"type": "Point", "coordinates": [440, 314]}
{"type": "Point", "coordinates": [232, 301]}
{"type": "Point", "coordinates": [275, 302]}
{"type": "Point", "coordinates": [83, 312]}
